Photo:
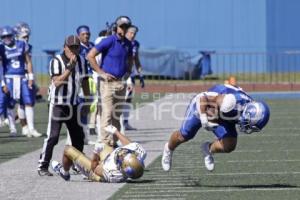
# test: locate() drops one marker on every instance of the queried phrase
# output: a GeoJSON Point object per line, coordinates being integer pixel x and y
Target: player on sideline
{"type": "Point", "coordinates": [107, 164]}
{"type": "Point", "coordinates": [130, 35]}
{"type": "Point", "coordinates": [218, 110]}
{"type": "Point", "coordinates": [23, 32]}
{"type": "Point", "coordinates": [19, 89]}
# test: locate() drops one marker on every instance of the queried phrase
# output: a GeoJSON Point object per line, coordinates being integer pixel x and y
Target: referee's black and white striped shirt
{"type": "Point", "coordinates": [67, 93]}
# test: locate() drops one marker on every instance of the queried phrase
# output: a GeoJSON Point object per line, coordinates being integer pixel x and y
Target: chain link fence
{"type": "Point", "coordinates": [246, 67]}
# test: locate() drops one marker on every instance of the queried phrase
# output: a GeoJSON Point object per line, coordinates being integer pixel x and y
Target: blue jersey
{"type": "Point", "coordinates": [135, 47]}
{"type": "Point", "coordinates": [84, 50]}
{"type": "Point", "coordinates": [30, 49]}
{"type": "Point", "coordinates": [13, 58]}
{"type": "Point", "coordinates": [115, 52]}
{"type": "Point", "coordinates": [241, 96]}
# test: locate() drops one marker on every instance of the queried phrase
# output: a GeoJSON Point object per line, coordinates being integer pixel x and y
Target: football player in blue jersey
{"type": "Point", "coordinates": [3, 104]}
{"type": "Point", "coordinates": [130, 35]}
{"type": "Point", "coordinates": [86, 45]}
{"type": "Point", "coordinates": [23, 32]}
{"type": "Point", "coordinates": [219, 110]}
{"type": "Point", "coordinates": [84, 35]}
{"type": "Point", "coordinates": [18, 89]}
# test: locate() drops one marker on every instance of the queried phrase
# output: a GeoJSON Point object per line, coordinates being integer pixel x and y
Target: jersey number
{"type": "Point", "coordinates": [15, 63]}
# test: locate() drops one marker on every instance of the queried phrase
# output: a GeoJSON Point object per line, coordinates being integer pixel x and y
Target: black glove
{"type": "Point", "coordinates": [70, 66]}
{"type": "Point", "coordinates": [132, 79]}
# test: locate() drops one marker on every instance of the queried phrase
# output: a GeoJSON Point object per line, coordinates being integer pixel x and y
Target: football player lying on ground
{"type": "Point", "coordinates": [219, 110]}
{"type": "Point", "coordinates": [107, 164]}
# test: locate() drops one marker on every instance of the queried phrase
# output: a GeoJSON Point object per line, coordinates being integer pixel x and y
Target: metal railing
{"type": "Point", "coordinates": [247, 67]}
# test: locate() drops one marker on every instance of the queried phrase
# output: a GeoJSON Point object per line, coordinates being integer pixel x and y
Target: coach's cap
{"type": "Point", "coordinates": [72, 40]}
{"type": "Point", "coordinates": [123, 20]}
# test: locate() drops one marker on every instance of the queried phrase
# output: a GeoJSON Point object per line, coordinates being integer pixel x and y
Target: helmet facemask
{"type": "Point", "coordinates": [8, 40]}
{"type": "Point", "coordinates": [245, 124]}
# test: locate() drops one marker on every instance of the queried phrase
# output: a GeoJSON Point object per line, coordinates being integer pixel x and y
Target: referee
{"type": "Point", "coordinates": [67, 72]}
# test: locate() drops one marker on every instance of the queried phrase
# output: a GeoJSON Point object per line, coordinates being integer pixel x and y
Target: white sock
{"type": "Point", "coordinates": [86, 132]}
{"type": "Point", "coordinates": [21, 112]}
{"type": "Point", "coordinates": [68, 141]}
{"type": "Point", "coordinates": [11, 118]}
{"type": "Point", "coordinates": [29, 117]}
{"type": "Point", "coordinates": [63, 171]}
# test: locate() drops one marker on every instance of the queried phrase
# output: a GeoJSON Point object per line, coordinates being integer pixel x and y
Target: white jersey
{"type": "Point", "coordinates": [99, 56]}
{"type": "Point", "coordinates": [111, 169]}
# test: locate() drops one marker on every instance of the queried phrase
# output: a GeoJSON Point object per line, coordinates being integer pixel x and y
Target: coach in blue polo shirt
{"type": "Point", "coordinates": [116, 64]}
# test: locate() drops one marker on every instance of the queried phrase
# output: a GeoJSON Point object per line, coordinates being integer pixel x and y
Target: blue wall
{"type": "Point", "coordinates": [283, 29]}
{"type": "Point", "coordinates": [190, 25]}
{"type": "Point", "coordinates": [184, 24]}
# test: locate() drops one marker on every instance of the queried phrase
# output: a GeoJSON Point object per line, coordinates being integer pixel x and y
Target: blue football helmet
{"type": "Point", "coordinates": [254, 118]}
{"type": "Point", "coordinates": [7, 35]}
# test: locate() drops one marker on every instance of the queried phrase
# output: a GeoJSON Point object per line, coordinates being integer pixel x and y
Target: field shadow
{"type": "Point", "coordinates": [140, 181]}
{"type": "Point", "coordinates": [246, 186]}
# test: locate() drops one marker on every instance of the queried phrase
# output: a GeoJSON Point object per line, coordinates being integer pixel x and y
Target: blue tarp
{"type": "Point", "coordinates": [171, 63]}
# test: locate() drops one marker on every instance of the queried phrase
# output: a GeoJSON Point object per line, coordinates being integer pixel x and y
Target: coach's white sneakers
{"type": "Point", "coordinates": [208, 158]}
{"type": "Point", "coordinates": [166, 160]}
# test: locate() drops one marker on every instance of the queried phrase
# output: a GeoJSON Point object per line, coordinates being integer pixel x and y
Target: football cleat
{"type": "Point", "coordinates": [25, 131]}
{"type": "Point", "coordinates": [34, 133]}
{"type": "Point", "coordinates": [166, 160]}
{"type": "Point", "coordinates": [75, 169]}
{"type": "Point", "coordinates": [127, 127]}
{"type": "Point", "coordinates": [13, 133]}
{"type": "Point", "coordinates": [44, 172]}
{"type": "Point", "coordinates": [208, 158]}
{"type": "Point", "coordinates": [58, 169]}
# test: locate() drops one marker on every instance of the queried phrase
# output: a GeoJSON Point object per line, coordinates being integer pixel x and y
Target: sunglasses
{"type": "Point", "coordinates": [124, 26]}
{"type": "Point", "coordinates": [6, 36]}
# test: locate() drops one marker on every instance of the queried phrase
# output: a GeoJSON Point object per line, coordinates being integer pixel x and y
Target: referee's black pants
{"type": "Point", "coordinates": [59, 114]}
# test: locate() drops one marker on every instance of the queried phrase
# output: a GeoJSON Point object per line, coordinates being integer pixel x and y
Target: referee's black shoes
{"type": "Point", "coordinates": [44, 172]}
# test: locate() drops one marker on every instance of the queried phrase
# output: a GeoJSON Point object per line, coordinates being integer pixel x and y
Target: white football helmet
{"type": "Point", "coordinates": [22, 29]}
